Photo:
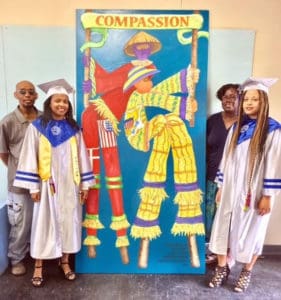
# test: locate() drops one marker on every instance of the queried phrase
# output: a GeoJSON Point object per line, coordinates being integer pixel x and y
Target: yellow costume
{"type": "Point", "coordinates": [168, 133]}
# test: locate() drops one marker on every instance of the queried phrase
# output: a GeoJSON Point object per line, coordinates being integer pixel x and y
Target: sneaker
{"type": "Point", "coordinates": [18, 269]}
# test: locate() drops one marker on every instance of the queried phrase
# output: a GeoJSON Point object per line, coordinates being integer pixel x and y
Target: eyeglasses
{"type": "Point", "coordinates": [30, 92]}
{"type": "Point", "coordinates": [230, 97]}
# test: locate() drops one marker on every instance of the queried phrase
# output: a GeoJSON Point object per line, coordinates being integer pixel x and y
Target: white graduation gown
{"type": "Point", "coordinates": [243, 232]}
{"type": "Point", "coordinates": [57, 218]}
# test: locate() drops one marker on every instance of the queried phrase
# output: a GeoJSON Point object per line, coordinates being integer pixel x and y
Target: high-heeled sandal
{"type": "Point", "coordinates": [67, 275]}
{"type": "Point", "coordinates": [243, 281]}
{"type": "Point", "coordinates": [36, 280]}
{"type": "Point", "coordinates": [220, 276]}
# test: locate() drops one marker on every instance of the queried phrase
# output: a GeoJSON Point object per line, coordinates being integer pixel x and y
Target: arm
{"type": "Point", "coordinates": [218, 196]}
{"type": "Point", "coordinates": [86, 172]}
{"type": "Point", "coordinates": [4, 157]}
{"type": "Point", "coordinates": [27, 175]}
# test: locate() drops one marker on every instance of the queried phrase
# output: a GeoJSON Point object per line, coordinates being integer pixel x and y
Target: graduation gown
{"type": "Point", "coordinates": [57, 217]}
{"type": "Point", "coordinates": [243, 231]}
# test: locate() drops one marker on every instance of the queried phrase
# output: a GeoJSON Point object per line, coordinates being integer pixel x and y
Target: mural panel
{"type": "Point", "coordinates": [141, 100]}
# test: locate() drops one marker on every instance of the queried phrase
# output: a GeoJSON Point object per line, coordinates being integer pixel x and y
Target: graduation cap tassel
{"type": "Point", "coordinates": [247, 201]}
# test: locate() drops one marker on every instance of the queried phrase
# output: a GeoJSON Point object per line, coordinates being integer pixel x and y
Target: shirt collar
{"type": "Point", "coordinates": [21, 117]}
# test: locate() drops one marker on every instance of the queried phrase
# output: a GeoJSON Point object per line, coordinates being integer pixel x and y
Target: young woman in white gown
{"type": "Point", "coordinates": [55, 167]}
{"type": "Point", "coordinates": [249, 180]}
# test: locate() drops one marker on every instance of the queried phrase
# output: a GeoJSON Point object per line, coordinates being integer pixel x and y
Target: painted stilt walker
{"type": "Point", "coordinates": [100, 129]}
{"type": "Point", "coordinates": [168, 133]}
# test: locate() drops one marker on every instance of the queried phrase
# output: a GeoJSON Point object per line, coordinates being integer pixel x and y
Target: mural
{"type": "Point", "coordinates": [142, 85]}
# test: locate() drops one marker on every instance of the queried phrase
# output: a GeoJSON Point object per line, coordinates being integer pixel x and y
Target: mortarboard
{"type": "Point", "coordinates": [257, 84]}
{"type": "Point", "coordinates": [58, 86]}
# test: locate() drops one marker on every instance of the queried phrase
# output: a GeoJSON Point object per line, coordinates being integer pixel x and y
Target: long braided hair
{"type": "Point", "coordinates": [258, 139]}
{"type": "Point", "coordinates": [47, 114]}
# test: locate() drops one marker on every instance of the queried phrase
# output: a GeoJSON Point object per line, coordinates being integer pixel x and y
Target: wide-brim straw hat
{"type": "Point", "coordinates": [142, 38]}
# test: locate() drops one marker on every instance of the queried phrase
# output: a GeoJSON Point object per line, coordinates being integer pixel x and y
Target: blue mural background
{"type": "Point", "coordinates": [168, 254]}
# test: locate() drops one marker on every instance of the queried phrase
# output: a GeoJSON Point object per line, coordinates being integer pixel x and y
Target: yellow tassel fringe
{"type": "Point", "coordinates": [150, 233]}
{"type": "Point", "coordinates": [93, 224]}
{"type": "Point", "coordinates": [122, 241]}
{"type": "Point", "coordinates": [188, 229]}
{"type": "Point", "coordinates": [151, 195]}
{"type": "Point", "coordinates": [151, 199]}
{"type": "Point", "coordinates": [119, 224]}
{"type": "Point", "coordinates": [91, 240]}
{"type": "Point", "coordinates": [106, 113]}
{"type": "Point", "coordinates": [189, 198]}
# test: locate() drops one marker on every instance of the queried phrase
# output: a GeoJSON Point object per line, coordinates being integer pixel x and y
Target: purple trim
{"type": "Point", "coordinates": [27, 179]}
{"type": "Point", "coordinates": [186, 187]}
{"type": "Point", "coordinates": [193, 220]}
{"type": "Point", "coordinates": [27, 173]}
{"type": "Point", "coordinates": [154, 184]}
{"type": "Point", "coordinates": [145, 223]}
{"type": "Point", "coordinates": [87, 86]}
{"type": "Point", "coordinates": [150, 72]}
{"type": "Point", "coordinates": [86, 60]}
{"type": "Point", "coordinates": [183, 76]}
{"type": "Point", "coordinates": [183, 107]}
{"type": "Point", "coordinates": [184, 90]}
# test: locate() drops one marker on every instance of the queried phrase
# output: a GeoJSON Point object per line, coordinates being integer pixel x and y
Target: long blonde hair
{"type": "Point", "coordinates": [259, 136]}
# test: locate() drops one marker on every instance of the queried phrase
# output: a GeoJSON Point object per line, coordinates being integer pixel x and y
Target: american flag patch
{"type": "Point", "coordinates": [106, 134]}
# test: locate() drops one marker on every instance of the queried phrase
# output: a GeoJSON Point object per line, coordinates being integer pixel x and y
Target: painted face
{"type": "Point", "coordinates": [251, 103]}
{"type": "Point", "coordinates": [26, 94]}
{"type": "Point", "coordinates": [144, 85]}
{"type": "Point", "coordinates": [229, 101]}
{"type": "Point", "coordinates": [59, 106]}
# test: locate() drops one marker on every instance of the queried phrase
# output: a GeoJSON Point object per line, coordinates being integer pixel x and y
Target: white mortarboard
{"type": "Point", "coordinates": [58, 86]}
{"type": "Point", "coordinates": [257, 84]}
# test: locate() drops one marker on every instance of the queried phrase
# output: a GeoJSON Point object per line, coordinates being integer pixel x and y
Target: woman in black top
{"type": "Point", "coordinates": [218, 126]}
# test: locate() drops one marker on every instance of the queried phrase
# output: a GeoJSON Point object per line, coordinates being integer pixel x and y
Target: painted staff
{"type": "Point", "coordinates": [193, 250]}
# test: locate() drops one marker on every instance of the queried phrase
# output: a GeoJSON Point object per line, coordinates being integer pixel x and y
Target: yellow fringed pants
{"type": "Point", "coordinates": [169, 133]}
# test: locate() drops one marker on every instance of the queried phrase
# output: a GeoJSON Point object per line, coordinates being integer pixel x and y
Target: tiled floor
{"type": "Point", "coordinates": [265, 285]}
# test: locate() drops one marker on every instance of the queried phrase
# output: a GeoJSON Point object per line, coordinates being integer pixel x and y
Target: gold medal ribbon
{"type": "Point", "coordinates": [44, 158]}
{"type": "Point", "coordinates": [74, 157]}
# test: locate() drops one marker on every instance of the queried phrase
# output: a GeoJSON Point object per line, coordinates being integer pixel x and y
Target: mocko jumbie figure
{"type": "Point", "coordinates": [249, 180]}
{"type": "Point", "coordinates": [55, 167]}
{"type": "Point", "coordinates": [19, 202]}
{"type": "Point", "coordinates": [168, 133]}
{"type": "Point", "coordinates": [100, 121]}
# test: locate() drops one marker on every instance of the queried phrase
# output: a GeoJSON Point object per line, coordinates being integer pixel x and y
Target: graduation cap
{"type": "Point", "coordinates": [58, 86]}
{"type": "Point", "coordinates": [257, 84]}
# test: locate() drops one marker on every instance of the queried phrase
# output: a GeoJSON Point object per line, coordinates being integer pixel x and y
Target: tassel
{"type": "Point", "coordinates": [52, 187]}
{"type": "Point", "coordinates": [247, 201]}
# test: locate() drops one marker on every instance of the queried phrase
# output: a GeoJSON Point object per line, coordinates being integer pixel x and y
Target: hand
{"type": "Point", "coordinates": [83, 195]}
{"type": "Point", "coordinates": [264, 205]}
{"type": "Point", "coordinates": [192, 75]}
{"type": "Point", "coordinates": [191, 108]}
{"type": "Point", "coordinates": [35, 196]}
{"type": "Point", "coordinates": [218, 197]}
{"type": "Point", "coordinates": [193, 105]}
